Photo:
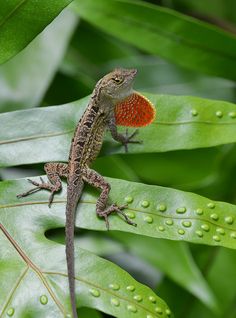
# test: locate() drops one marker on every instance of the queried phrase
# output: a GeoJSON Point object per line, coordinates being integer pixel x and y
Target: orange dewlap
{"type": "Point", "coordinates": [135, 111]}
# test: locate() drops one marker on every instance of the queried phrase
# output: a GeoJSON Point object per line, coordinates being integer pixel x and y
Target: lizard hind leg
{"type": "Point", "coordinates": [93, 178]}
{"type": "Point", "coordinates": [54, 171]}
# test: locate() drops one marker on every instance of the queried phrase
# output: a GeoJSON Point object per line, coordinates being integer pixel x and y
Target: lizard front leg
{"type": "Point", "coordinates": [54, 171]}
{"type": "Point", "coordinates": [95, 179]}
{"type": "Point", "coordinates": [124, 139]}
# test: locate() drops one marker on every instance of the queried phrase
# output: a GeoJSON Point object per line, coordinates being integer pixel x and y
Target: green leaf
{"type": "Point", "coordinates": [21, 89]}
{"type": "Point", "coordinates": [119, 170]}
{"type": "Point", "coordinates": [22, 20]}
{"type": "Point", "coordinates": [175, 260]}
{"type": "Point", "coordinates": [224, 261]}
{"type": "Point", "coordinates": [180, 39]}
{"type": "Point", "coordinates": [159, 212]}
{"type": "Point", "coordinates": [34, 276]}
{"type": "Point", "coordinates": [87, 312]}
{"type": "Point", "coordinates": [175, 168]}
{"type": "Point", "coordinates": [182, 122]}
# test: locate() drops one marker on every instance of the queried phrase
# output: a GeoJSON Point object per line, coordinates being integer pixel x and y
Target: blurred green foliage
{"type": "Point", "coordinates": [180, 47]}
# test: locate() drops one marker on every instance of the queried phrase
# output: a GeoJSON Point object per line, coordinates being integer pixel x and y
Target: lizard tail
{"type": "Point", "coordinates": [72, 200]}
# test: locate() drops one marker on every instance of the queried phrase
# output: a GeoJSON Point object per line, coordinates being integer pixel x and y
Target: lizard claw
{"type": "Point", "coordinates": [24, 194]}
{"type": "Point", "coordinates": [50, 200]}
{"type": "Point", "coordinates": [115, 208]}
{"type": "Point", "coordinates": [128, 139]}
{"type": "Point", "coordinates": [38, 187]}
{"type": "Point", "coordinates": [33, 182]}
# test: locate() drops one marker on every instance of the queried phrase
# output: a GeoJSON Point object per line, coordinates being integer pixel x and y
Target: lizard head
{"type": "Point", "coordinates": [117, 85]}
{"type": "Point", "coordinates": [131, 109]}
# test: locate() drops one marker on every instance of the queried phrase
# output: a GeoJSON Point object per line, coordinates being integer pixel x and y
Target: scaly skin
{"type": "Point", "coordinates": [111, 90]}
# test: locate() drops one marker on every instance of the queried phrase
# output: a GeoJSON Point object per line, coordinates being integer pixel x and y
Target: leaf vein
{"type": "Point", "coordinates": [9, 298]}
{"type": "Point", "coordinates": [34, 268]}
{"type": "Point", "coordinates": [12, 12]}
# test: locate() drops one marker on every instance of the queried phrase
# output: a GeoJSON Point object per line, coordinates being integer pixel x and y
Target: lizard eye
{"type": "Point", "coordinates": [117, 80]}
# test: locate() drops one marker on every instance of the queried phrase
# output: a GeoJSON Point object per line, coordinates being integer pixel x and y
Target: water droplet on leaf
{"type": "Point", "coordinates": [43, 299]}
{"type": "Point", "coordinates": [220, 230]}
{"type": "Point", "coordinates": [199, 211]}
{"type": "Point", "coordinates": [161, 208]}
{"type": "Point", "coordinates": [219, 114]}
{"type": "Point", "coordinates": [145, 204]}
{"type": "Point", "coordinates": [194, 112]}
{"type": "Point", "coordinates": [205, 227]}
{"type": "Point", "coordinates": [199, 233]}
{"type": "Point", "coordinates": [181, 210]}
{"type": "Point", "coordinates": [148, 219]}
{"type": "Point", "coordinates": [152, 299]}
{"type": "Point", "coordinates": [94, 292]}
{"type": "Point", "coordinates": [187, 223]}
{"type": "Point", "coordinates": [216, 238]}
{"type": "Point", "coordinates": [10, 312]}
{"type": "Point", "coordinates": [211, 205]}
{"type": "Point", "coordinates": [232, 114]}
{"type": "Point", "coordinates": [130, 288]}
{"type": "Point", "coordinates": [129, 199]}
{"type": "Point", "coordinates": [159, 310]}
{"type": "Point", "coordinates": [138, 298]}
{"type": "Point", "coordinates": [114, 286]}
{"type": "Point", "coordinates": [169, 222]}
{"type": "Point", "coordinates": [115, 302]}
{"type": "Point", "coordinates": [132, 308]}
{"type": "Point", "coordinates": [214, 216]}
{"type": "Point", "coordinates": [229, 219]}
{"type": "Point", "coordinates": [130, 214]}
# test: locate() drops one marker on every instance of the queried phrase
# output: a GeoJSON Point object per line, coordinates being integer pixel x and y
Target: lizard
{"type": "Point", "coordinates": [113, 102]}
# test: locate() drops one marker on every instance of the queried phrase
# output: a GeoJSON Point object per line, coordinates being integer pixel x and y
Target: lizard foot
{"type": "Point", "coordinates": [38, 187]}
{"type": "Point", "coordinates": [129, 139]}
{"type": "Point", "coordinates": [114, 208]}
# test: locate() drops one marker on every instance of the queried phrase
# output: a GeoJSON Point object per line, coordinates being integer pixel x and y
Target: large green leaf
{"type": "Point", "coordinates": [34, 276]}
{"type": "Point", "coordinates": [159, 212]}
{"type": "Point", "coordinates": [171, 35]}
{"type": "Point", "coordinates": [25, 78]}
{"type": "Point", "coordinates": [22, 20]}
{"type": "Point", "coordinates": [182, 122]}
{"type": "Point", "coordinates": [175, 260]}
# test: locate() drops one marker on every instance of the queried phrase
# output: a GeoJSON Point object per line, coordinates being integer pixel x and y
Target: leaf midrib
{"type": "Point", "coordinates": [69, 131]}
{"type": "Point", "coordinates": [52, 134]}
{"type": "Point", "coordinates": [11, 13]}
{"type": "Point", "coordinates": [165, 216]}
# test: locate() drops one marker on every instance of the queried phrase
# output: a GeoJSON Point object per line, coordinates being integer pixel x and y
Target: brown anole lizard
{"type": "Point", "coordinates": [113, 102]}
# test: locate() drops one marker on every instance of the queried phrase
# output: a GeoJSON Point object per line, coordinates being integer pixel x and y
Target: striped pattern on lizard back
{"type": "Point", "coordinates": [88, 138]}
